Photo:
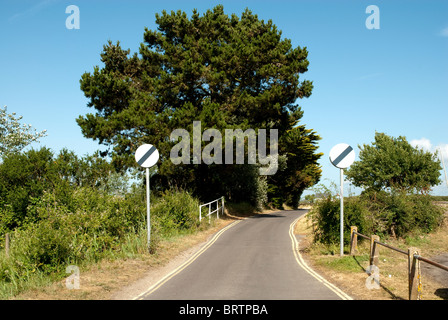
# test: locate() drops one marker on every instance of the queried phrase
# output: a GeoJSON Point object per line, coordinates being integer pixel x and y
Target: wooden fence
{"type": "Point", "coordinates": [413, 255]}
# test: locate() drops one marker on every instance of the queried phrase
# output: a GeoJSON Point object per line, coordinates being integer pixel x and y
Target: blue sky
{"type": "Point", "coordinates": [393, 79]}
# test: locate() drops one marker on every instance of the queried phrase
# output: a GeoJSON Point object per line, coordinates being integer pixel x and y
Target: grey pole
{"type": "Point", "coordinates": [342, 213]}
{"type": "Point", "coordinates": [147, 208]}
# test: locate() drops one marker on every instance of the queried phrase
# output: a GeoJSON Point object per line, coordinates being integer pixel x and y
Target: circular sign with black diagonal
{"type": "Point", "coordinates": [146, 155]}
{"type": "Point", "coordinates": [342, 155]}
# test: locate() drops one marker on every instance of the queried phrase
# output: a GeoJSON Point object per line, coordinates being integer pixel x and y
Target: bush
{"type": "Point", "coordinates": [326, 217]}
{"type": "Point", "coordinates": [382, 213]}
{"type": "Point", "coordinates": [174, 212]}
{"type": "Point", "coordinates": [27, 176]}
{"type": "Point", "coordinates": [401, 214]}
{"type": "Point", "coordinates": [394, 164]}
{"type": "Point", "coordinates": [42, 246]}
{"type": "Point", "coordinates": [58, 236]}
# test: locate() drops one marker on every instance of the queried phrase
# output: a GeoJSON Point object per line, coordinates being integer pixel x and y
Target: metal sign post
{"type": "Point", "coordinates": [342, 156]}
{"type": "Point", "coordinates": [147, 156]}
{"type": "Point", "coordinates": [341, 220]}
{"type": "Point", "coordinates": [148, 207]}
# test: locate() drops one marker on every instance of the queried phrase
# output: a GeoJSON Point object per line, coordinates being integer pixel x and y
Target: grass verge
{"type": "Point", "coordinates": [349, 272]}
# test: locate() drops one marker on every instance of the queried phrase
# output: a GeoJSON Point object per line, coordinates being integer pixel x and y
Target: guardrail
{"type": "Point", "coordinates": [210, 212]}
{"type": "Point", "coordinates": [413, 254]}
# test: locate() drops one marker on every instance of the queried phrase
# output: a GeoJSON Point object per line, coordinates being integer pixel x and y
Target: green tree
{"type": "Point", "coordinates": [227, 72]}
{"type": "Point", "coordinates": [13, 135]}
{"type": "Point", "coordinates": [25, 177]}
{"type": "Point", "coordinates": [298, 168]}
{"type": "Point", "coordinates": [392, 163]}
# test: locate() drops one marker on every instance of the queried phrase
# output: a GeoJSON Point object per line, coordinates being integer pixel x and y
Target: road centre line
{"type": "Point", "coordinates": [302, 263]}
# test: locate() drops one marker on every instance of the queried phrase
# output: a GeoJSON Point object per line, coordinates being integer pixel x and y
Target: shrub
{"type": "Point", "coordinates": [97, 228]}
{"type": "Point", "coordinates": [325, 216]}
{"type": "Point", "coordinates": [43, 246]}
{"type": "Point", "coordinates": [57, 235]}
{"type": "Point", "coordinates": [401, 213]}
{"type": "Point", "coordinates": [394, 164]}
{"type": "Point", "coordinates": [27, 176]}
{"type": "Point", "coordinates": [174, 211]}
{"type": "Point", "coordinates": [385, 214]}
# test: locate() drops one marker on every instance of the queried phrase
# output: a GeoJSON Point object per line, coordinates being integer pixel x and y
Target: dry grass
{"type": "Point", "coordinates": [349, 273]}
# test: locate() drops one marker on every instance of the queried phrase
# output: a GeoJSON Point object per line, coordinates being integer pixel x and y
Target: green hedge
{"type": "Point", "coordinates": [58, 237]}
{"type": "Point", "coordinates": [382, 213]}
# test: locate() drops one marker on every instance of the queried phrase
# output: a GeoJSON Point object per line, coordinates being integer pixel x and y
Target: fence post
{"type": "Point", "coordinates": [374, 250]}
{"type": "Point", "coordinates": [200, 214]}
{"type": "Point", "coordinates": [413, 273]}
{"type": "Point", "coordinates": [7, 244]}
{"type": "Point", "coordinates": [222, 200]}
{"type": "Point", "coordinates": [353, 240]}
{"type": "Point", "coordinates": [209, 211]}
{"type": "Point", "coordinates": [217, 208]}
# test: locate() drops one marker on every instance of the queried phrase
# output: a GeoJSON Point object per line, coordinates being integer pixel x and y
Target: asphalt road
{"type": "Point", "coordinates": [251, 259]}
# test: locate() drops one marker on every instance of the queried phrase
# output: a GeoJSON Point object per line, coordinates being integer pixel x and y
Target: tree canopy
{"type": "Point", "coordinates": [392, 163]}
{"type": "Point", "coordinates": [13, 135]}
{"type": "Point", "coordinates": [25, 177]}
{"type": "Point", "coordinates": [225, 71]}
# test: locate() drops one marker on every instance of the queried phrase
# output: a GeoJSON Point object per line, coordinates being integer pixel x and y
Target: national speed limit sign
{"type": "Point", "coordinates": [342, 155]}
{"type": "Point", "coordinates": [146, 155]}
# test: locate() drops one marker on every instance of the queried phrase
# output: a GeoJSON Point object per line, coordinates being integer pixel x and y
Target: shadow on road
{"type": "Point", "coordinates": [266, 215]}
{"type": "Point", "coordinates": [442, 293]}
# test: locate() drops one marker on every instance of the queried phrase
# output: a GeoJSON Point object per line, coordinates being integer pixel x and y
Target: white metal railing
{"type": "Point", "coordinates": [210, 212]}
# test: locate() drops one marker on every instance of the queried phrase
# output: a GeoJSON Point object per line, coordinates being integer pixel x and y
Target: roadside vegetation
{"type": "Point", "coordinates": [56, 219]}
{"type": "Point", "coordinates": [395, 205]}
{"type": "Point", "coordinates": [350, 272]}
{"type": "Point", "coordinates": [396, 179]}
{"type": "Point", "coordinates": [396, 215]}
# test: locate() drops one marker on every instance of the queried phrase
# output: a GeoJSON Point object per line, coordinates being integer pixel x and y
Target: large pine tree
{"type": "Point", "coordinates": [227, 72]}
